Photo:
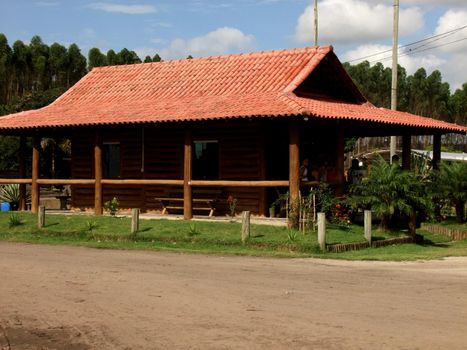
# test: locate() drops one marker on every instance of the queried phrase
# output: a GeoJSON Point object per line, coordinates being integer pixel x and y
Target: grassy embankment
{"type": "Point", "coordinates": [214, 238]}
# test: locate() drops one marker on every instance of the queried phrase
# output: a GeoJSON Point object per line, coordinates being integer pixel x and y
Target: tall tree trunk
{"type": "Point", "coordinates": [413, 223]}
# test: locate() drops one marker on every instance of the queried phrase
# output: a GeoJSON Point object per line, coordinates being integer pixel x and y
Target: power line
{"type": "Point", "coordinates": [435, 37]}
{"type": "Point", "coordinates": [418, 51]}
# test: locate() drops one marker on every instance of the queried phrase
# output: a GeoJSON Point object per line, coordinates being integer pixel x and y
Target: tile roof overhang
{"type": "Point", "coordinates": [254, 85]}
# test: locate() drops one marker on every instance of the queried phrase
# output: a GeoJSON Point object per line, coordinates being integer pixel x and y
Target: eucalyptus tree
{"type": "Point", "coordinates": [96, 58]}
{"type": "Point", "coordinates": [40, 63]}
{"type": "Point", "coordinates": [76, 65]}
{"type": "Point", "coordinates": [58, 63]}
{"type": "Point", "coordinates": [5, 68]}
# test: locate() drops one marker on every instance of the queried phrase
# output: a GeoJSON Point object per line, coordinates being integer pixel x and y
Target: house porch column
{"type": "Point", "coordinates": [436, 151]}
{"type": "Point", "coordinates": [35, 174]}
{"type": "Point", "coordinates": [98, 172]}
{"type": "Point", "coordinates": [406, 151]}
{"type": "Point", "coordinates": [340, 146]}
{"type": "Point", "coordinates": [22, 172]}
{"type": "Point", "coordinates": [294, 172]}
{"type": "Point", "coordinates": [187, 174]}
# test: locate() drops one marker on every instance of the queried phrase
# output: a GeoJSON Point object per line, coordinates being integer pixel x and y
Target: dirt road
{"type": "Point", "coordinates": [54, 297]}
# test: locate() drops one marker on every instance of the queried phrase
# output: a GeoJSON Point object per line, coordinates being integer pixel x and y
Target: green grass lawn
{"type": "Point", "coordinates": [213, 237]}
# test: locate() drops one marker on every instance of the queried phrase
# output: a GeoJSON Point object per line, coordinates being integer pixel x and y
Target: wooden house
{"type": "Point", "coordinates": [206, 129]}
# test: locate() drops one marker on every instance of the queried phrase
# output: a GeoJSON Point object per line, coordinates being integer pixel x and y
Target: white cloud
{"type": "Point", "coordinates": [450, 20]}
{"type": "Point", "coordinates": [218, 42]}
{"type": "Point", "coordinates": [410, 62]}
{"type": "Point", "coordinates": [354, 21]}
{"type": "Point", "coordinates": [127, 9]}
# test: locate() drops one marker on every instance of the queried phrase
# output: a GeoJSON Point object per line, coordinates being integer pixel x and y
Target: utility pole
{"type": "Point", "coordinates": [315, 11]}
{"type": "Point", "coordinates": [395, 39]}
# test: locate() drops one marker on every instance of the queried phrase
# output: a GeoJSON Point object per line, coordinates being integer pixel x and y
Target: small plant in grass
{"type": "Point", "coordinates": [292, 235]}
{"type": "Point", "coordinates": [90, 225]}
{"type": "Point", "coordinates": [232, 202]}
{"type": "Point", "coordinates": [193, 231]}
{"type": "Point", "coordinates": [14, 220]}
{"type": "Point", "coordinates": [112, 206]}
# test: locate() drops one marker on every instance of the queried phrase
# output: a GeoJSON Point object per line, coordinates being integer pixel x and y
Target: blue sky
{"type": "Point", "coordinates": [174, 29]}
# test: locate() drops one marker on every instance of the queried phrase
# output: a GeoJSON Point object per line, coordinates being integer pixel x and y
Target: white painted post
{"type": "Point", "coordinates": [367, 225]}
{"type": "Point", "coordinates": [41, 217]}
{"type": "Point", "coordinates": [245, 226]}
{"type": "Point", "coordinates": [134, 220]}
{"type": "Point", "coordinates": [322, 231]}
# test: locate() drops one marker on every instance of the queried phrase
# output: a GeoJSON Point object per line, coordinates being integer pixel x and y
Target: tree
{"type": "Point", "coordinates": [156, 58]}
{"type": "Point", "coordinates": [58, 63]}
{"type": "Point", "coordinates": [96, 58]}
{"type": "Point", "coordinates": [76, 65]}
{"type": "Point", "coordinates": [147, 59]}
{"type": "Point", "coordinates": [111, 58]}
{"type": "Point", "coordinates": [458, 106]}
{"type": "Point", "coordinates": [40, 63]}
{"type": "Point", "coordinates": [451, 184]}
{"type": "Point", "coordinates": [22, 71]}
{"type": "Point", "coordinates": [5, 68]}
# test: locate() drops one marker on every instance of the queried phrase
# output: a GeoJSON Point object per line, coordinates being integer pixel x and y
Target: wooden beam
{"type": "Point", "coordinates": [140, 182]}
{"type": "Point", "coordinates": [294, 172]}
{"type": "Point", "coordinates": [406, 151]}
{"type": "Point", "coordinates": [35, 174]}
{"type": "Point", "coordinates": [98, 173]}
{"type": "Point", "coordinates": [235, 183]}
{"type": "Point", "coordinates": [187, 174]}
{"type": "Point", "coordinates": [66, 181]}
{"type": "Point", "coordinates": [16, 181]}
{"type": "Point", "coordinates": [436, 151]}
{"type": "Point", "coordinates": [340, 146]}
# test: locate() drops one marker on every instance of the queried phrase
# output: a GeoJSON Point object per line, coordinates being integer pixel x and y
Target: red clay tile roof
{"type": "Point", "coordinates": [234, 86]}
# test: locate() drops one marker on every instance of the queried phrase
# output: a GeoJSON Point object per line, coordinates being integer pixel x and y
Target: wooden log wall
{"type": "Point", "coordinates": [241, 157]}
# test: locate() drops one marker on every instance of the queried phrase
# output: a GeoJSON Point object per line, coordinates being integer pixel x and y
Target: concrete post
{"type": "Point", "coordinates": [134, 220]}
{"type": "Point", "coordinates": [367, 225]}
{"type": "Point", "coordinates": [245, 226]}
{"type": "Point", "coordinates": [41, 217]}
{"type": "Point", "coordinates": [322, 231]}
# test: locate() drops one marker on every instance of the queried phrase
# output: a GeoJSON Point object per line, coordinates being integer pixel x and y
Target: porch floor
{"type": "Point", "coordinates": [145, 216]}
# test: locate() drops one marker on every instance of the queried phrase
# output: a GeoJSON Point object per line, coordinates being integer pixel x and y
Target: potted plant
{"type": "Point", "coordinates": [9, 193]}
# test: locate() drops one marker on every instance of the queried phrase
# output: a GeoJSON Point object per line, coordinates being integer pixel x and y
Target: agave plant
{"type": "Point", "coordinates": [10, 193]}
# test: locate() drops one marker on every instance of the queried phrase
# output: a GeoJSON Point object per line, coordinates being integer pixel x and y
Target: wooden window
{"type": "Point", "coordinates": [111, 159]}
{"type": "Point", "coordinates": [206, 160]}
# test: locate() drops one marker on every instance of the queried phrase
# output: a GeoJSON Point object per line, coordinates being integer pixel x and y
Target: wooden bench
{"type": "Point", "coordinates": [203, 200]}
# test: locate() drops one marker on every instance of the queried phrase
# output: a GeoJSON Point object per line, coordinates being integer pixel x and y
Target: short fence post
{"type": "Point", "coordinates": [322, 231]}
{"type": "Point", "coordinates": [41, 217]}
{"type": "Point", "coordinates": [134, 220]}
{"type": "Point", "coordinates": [367, 224]}
{"type": "Point", "coordinates": [245, 226]}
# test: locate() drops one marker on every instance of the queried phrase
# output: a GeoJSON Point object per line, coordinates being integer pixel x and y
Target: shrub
{"type": "Point", "coordinates": [112, 206]}
{"type": "Point", "coordinates": [388, 190]}
{"type": "Point", "coordinates": [14, 220]}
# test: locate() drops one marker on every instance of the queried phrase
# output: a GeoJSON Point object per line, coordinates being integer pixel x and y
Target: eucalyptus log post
{"type": "Point", "coordinates": [406, 151]}
{"type": "Point", "coordinates": [187, 174]}
{"type": "Point", "coordinates": [245, 226]}
{"type": "Point", "coordinates": [367, 224]}
{"type": "Point", "coordinates": [322, 231]}
{"type": "Point", "coordinates": [98, 173]}
{"type": "Point", "coordinates": [41, 217]}
{"type": "Point", "coordinates": [294, 174]}
{"type": "Point", "coordinates": [22, 172]}
{"type": "Point", "coordinates": [35, 174]}
{"type": "Point", "coordinates": [340, 160]}
{"type": "Point", "coordinates": [134, 220]}
{"type": "Point", "coordinates": [435, 160]}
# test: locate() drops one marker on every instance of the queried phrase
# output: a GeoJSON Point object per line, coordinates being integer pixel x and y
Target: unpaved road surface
{"type": "Point", "coordinates": [56, 297]}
